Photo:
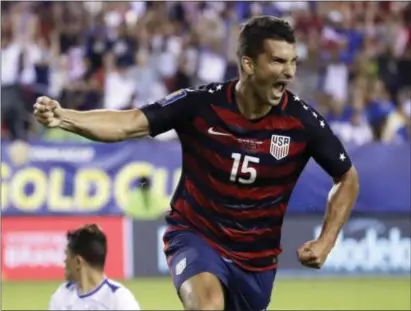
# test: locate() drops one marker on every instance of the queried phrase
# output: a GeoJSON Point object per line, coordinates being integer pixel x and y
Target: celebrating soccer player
{"type": "Point", "coordinates": [245, 143]}
{"type": "Point", "coordinates": [87, 288]}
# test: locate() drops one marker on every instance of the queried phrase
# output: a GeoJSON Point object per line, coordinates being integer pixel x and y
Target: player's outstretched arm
{"type": "Point", "coordinates": [98, 125]}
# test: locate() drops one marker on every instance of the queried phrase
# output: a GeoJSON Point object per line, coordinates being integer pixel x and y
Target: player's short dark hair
{"type": "Point", "coordinates": [260, 28]}
{"type": "Point", "coordinates": [89, 242]}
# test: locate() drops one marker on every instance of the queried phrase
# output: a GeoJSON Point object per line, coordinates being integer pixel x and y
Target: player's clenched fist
{"type": "Point", "coordinates": [313, 254]}
{"type": "Point", "coordinates": [47, 111]}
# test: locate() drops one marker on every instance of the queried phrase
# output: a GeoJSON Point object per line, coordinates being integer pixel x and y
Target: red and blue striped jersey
{"type": "Point", "coordinates": [238, 175]}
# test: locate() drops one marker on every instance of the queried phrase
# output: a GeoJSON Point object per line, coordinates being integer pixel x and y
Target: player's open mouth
{"type": "Point", "coordinates": [279, 86]}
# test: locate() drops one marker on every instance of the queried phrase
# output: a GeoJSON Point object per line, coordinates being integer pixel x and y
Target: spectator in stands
{"type": "Point", "coordinates": [97, 44]}
{"type": "Point", "coordinates": [398, 126]}
{"type": "Point", "coordinates": [85, 52]}
{"type": "Point", "coordinates": [13, 110]}
{"type": "Point", "coordinates": [380, 107]}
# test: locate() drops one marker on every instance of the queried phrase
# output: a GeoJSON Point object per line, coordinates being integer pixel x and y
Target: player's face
{"type": "Point", "coordinates": [273, 70]}
{"type": "Point", "coordinates": [71, 266]}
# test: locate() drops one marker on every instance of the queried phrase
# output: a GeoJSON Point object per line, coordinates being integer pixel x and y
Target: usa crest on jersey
{"type": "Point", "coordinates": [280, 146]}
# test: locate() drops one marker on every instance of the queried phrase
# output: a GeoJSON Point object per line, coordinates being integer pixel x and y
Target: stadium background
{"type": "Point", "coordinates": [354, 67]}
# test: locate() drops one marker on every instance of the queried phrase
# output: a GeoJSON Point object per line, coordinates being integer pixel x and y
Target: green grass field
{"type": "Point", "coordinates": [302, 294]}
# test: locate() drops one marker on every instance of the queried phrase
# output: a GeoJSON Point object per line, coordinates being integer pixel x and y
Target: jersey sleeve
{"type": "Point", "coordinates": [126, 300]}
{"type": "Point", "coordinates": [325, 147]}
{"type": "Point", "coordinates": [53, 303]}
{"type": "Point", "coordinates": [174, 110]}
{"type": "Point", "coordinates": [56, 297]}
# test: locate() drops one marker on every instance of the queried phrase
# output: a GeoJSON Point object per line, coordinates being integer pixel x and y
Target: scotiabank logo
{"type": "Point", "coordinates": [370, 246]}
{"type": "Point", "coordinates": [33, 247]}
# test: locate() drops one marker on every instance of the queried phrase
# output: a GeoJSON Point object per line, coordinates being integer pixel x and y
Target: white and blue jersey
{"type": "Point", "coordinates": [109, 295]}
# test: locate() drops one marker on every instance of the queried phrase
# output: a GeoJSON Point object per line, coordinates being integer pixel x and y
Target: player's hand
{"type": "Point", "coordinates": [47, 111]}
{"type": "Point", "coordinates": [313, 254]}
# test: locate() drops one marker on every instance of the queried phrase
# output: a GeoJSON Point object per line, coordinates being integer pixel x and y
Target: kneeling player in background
{"type": "Point", "coordinates": [87, 288]}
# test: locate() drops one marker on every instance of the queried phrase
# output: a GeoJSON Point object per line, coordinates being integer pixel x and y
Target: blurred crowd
{"type": "Point", "coordinates": [354, 66]}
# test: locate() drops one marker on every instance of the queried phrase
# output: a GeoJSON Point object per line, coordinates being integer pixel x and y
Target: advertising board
{"type": "Point", "coordinates": [101, 179]}
{"type": "Point", "coordinates": [372, 245]}
{"type": "Point", "coordinates": [32, 248]}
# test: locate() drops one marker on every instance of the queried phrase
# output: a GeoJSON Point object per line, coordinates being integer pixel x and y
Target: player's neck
{"type": "Point", "coordinates": [89, 280]}
{"type": "Point", "coordinates": [249, 105]}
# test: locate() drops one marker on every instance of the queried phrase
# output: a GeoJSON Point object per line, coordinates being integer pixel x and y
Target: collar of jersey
{"type": "Point", "coordinates": [93, 291]}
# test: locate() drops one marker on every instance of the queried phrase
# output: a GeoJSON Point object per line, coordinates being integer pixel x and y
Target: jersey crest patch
{"type": "Point", "coordinates": [280, 146]}
{"type": "Point", "coordinates": [171, 98]}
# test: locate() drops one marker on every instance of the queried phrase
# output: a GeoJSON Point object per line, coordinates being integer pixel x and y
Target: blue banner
{"type": "Point", "coordinates": [100, 179]}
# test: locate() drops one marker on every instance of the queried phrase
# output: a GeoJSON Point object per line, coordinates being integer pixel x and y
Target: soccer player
{"type": "Point", "coordinates": [245, 143]}
{"type": "Point", "coordinates": [86, 287]}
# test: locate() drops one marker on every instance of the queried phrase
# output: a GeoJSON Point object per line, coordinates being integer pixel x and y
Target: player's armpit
{"type": "Point", "coordinates": [106, 125]}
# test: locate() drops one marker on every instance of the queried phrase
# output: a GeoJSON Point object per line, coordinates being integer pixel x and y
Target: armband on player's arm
{"type": "Point", "coordinates": [105, 125]}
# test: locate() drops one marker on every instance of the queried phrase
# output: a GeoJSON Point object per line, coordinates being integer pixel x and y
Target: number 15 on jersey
{"type": "Point", "coordinates": [246, 168]}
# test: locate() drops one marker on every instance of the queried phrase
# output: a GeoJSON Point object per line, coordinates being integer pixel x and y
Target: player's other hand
{"type": "Point", "coordinates": [47, 111]}
{"type": "Point", "coordinates": [313, 254]}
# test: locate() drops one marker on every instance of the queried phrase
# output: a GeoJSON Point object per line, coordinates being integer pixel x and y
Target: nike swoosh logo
{"type": "Point", "coordinates": [213, 132]}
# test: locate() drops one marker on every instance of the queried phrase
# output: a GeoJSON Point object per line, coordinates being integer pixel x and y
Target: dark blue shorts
{"type": "Point", "coordinates": [188, 254]}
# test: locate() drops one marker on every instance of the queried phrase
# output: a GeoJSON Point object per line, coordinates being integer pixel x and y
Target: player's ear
{"type": "Point", "coordinates": [79, 261]}
{"type": "Point", "coordinates": [248, 65]}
